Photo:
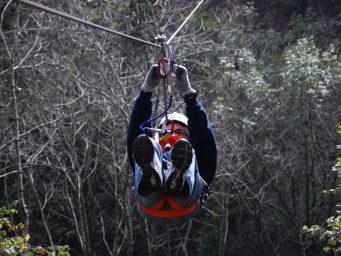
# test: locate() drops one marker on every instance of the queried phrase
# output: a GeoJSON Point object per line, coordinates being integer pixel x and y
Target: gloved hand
{"type": "Point", "coordinates": [152, 79]}
{"type": "Point", "coordinates": [182, 81]}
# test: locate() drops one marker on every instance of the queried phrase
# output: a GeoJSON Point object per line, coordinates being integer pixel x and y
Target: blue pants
{"type": "Point", "coordinates": [189, 195]}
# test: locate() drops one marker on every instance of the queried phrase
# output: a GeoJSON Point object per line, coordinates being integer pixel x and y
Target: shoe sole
{"type": "Point", "coordinates": [181, 157]}
{"type": "Point", "coordinates": [143, 153]}
{"type": "Point", "coordinates": [182, 154]}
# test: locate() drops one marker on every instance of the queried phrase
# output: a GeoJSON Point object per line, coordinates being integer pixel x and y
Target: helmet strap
{"type": "Point", "coordinates": [172, 128]}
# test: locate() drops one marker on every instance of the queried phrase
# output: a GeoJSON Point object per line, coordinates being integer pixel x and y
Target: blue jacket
{"type": "Point", "coordinates": [201, 135]}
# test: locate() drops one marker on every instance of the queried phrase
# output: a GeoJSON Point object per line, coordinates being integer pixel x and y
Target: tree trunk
{"type": "Point", "coordinates": [16, 131]}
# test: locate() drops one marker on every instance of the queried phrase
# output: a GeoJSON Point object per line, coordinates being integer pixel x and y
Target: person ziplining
{"type": "Point", "coordinates": [172, 173]}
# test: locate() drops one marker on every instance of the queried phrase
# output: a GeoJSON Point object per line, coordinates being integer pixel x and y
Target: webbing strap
{"type": "Point", "coordinates": [177, 212]}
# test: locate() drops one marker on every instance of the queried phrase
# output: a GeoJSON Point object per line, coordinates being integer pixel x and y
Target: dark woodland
{"type": "Point", "coordinates": [268, 73]}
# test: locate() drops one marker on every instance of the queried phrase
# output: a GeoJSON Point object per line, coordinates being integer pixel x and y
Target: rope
{"type": "Point", "coordinates": [170, 39]}
{"type": "Point", "coordinates": [70, 17]}
{"type": "Point", "coordinates": [143, 129]}
{"type": "Point", "coordinates": [165, 98]}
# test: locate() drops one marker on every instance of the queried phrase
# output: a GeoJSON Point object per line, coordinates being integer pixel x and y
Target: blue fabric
{"type": "Point", "coordinates": [201, 138]}
{"type": "Point", "coordinates": [201, 135]}
{"type": "Point", "coordinates": [185, 199]}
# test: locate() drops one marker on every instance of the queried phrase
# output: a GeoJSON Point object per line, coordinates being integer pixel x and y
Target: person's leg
{"type": "Point", "coordinates": [183, 180]}
{"type": "Point", "coordinates": [181, 157]}
{"type": "Point", "coordinates": [148, 164]}
{"type": "Point", "coordinates": [192, 189]}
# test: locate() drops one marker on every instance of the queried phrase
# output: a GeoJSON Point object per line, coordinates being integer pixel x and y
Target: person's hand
{"type": "Point", "coordinates": [182, 81]}
{"type": "Point", "coordinates": [152, 79]}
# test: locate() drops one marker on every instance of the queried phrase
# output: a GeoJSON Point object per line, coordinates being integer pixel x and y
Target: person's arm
{"type": "Point", "coordinates": [201, 135]}
{"type": "Point", "coordinates": [202, 138]}
{"type": "Point", "coordinates": [142, 111]}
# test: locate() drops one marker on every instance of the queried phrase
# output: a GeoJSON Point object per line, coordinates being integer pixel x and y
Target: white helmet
{"type": "Point", "coordinates": [176, 117]}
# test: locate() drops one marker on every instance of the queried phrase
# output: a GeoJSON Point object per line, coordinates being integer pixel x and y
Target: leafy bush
{"type": "Point", "coordinates": [332, 235]}
{"type": "Point", "coordinates": [12, 244]}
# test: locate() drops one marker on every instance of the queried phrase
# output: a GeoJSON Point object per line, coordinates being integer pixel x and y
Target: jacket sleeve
{"type": "Point", "coordinates": [201, 138]}
{"type": "Point", "coordinates": [142, 112]}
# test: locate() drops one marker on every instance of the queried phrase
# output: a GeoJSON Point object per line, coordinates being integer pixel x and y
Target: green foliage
{"type": "Point", "coordinates": [250, 78]}
{"type": "Point", "coordinates": [95, 19]}
{"type": "Point", "coordinates": [210, 235]}
{"type": "Point", "coordinates": [206, 20]}
{"type": "Point", "coordinates": [308, 70]}
{"type": "Point", "coordinates": [11, 244]}
{"type": "Point", "coordinates": [331, 235]}
{"type": "Point", "coordinates": [297, 27]}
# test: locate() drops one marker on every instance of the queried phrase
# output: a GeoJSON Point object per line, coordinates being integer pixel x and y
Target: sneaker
{"type": "Point", "coordinates": [146, 159]}
{"type": "Point", "coordinates": [181, 157]}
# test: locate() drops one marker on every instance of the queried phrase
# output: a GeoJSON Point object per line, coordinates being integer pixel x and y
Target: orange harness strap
{"type": "Point", "coordinates": [177, 212]}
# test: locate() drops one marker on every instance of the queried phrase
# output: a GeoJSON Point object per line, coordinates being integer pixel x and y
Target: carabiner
{"type": "Point", "coordinates": [165, 65]}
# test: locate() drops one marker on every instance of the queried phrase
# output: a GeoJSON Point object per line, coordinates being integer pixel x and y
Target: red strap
{"type": "Point", "coordinates": [177, 212]}
{"type": "Point", "coordinates": [171, 139]}
{"type": "Point", "coordinates": [159, 204]}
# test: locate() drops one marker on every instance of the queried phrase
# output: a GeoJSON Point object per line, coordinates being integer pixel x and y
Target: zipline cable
{"type": "Point", "coordinates": [189, 16]}
{"type": "Point", "coordinates": [70, 17]}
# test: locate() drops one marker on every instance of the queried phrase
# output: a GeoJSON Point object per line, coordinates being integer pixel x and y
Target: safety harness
{"type": "Point", "coordinates": [177, 211]}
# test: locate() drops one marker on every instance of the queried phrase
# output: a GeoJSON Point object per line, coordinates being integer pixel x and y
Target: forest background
{"type": "Point", "coordinates": [268, 73]}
